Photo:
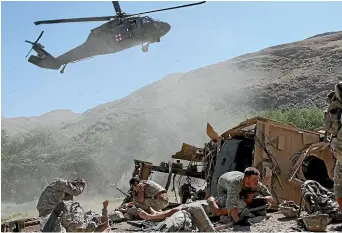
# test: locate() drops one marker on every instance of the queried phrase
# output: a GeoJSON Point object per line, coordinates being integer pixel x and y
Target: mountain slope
{"type": "Point", "coordinates": [152, 122]}
{"type": "Point", "coordinates": [54, 118]}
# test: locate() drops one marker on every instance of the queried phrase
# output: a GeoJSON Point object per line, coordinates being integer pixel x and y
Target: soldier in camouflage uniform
{"type": "Point", "coordinates": [332, 124]}
{"type": "Point", "coordinates": [197, 212]}
{"type": "Point", "coordinates": [55, 192]}
{"type": "Point", "coordinates": [232, 184]}
{"type": "Point", "coordinates": [69, 216]}
{"type": "Point", "coordinates": [181, 221]}
{"type": "Point", "coordinates": [146, 194]}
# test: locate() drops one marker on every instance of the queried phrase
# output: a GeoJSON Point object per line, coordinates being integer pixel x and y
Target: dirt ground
{"type": "Point", "coordinates": [274, 222]}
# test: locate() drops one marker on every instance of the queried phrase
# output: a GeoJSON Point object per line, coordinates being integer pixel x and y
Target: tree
{"type": "Point", "coordinates": [303, 118]}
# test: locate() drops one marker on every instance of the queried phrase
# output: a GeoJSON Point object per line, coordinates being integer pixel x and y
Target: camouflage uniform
{"type": "Point", "coordinates": [70, 217]}
{"type": "Point", "coordinates": [150, 200]}
{"type": "Point", "coordinates": [151, 190]}
{"type": "Point", "coordinates": [230, 184]}
{"type": "Point", "coordinates": [53, 194]}
{"type": "Point", "coordinates": [199, 211]}
{"type": "Point", "coordinates": [194, 215]}
{"type": "Point", "coordinates": [180, 221]}
{"type": "Point", "coordinates": [332, 123]}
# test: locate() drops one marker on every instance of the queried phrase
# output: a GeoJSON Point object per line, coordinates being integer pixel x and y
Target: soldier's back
{"type": "Point", "coordinates": [51, 195]}
{"type": "Point", "coordinates": [232, 176]}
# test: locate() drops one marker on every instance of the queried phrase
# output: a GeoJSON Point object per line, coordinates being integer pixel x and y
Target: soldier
{"type": "Point", "coordinates": [184, 217]}
{"type": "Point", "coordinates": [69, 216]}
{"type": "Point", "coordinates": [235, 184]}
{"type": "Point", "coordinates": [149, 194]}
{"type": "Point", "coordinates": [332, 124]}
{"type": "Point", "coordinates": [55, 192]}
{"type": "Point", "coordinates": [212, 207]}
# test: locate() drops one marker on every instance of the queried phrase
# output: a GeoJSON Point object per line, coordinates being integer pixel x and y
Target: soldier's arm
{"type": "Point", "coordinates": [71, 189]}
{"type": "Point", "coordinates": [265, 192]}
{"type": "Point", "coordinates": [338, 183]}
{"type": "Point", "coordinates": [141, 190]}
{"type": "Point", "coordinates": [215, 208]}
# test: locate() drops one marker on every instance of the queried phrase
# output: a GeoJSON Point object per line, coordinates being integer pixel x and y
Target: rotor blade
{"type": "Point", "coordinates": [29, 52]}
{"type": "Point", "coordinates": [39, 36]}
{"type": "Point", "coordinates": [74, 20]}
{"type": "Point", "coordinates": [117, 7]}
{"type": "Point", "coordinates": [170, 8]}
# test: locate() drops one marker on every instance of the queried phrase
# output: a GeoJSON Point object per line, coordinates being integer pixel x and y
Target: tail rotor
{"type": "Point", "coordinates": [34, 43]}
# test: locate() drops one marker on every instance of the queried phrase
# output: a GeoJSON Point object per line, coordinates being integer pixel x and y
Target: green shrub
{"type": "Point", "coordinates": [30, 161]}
{"type": "Point", "coordinates": [303, 118]}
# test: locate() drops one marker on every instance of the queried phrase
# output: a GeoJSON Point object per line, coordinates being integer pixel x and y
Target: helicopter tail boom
{"type": "Point", "coordinates": [43, 58]}
{"type": "Point", "coordinates": [48, 62]}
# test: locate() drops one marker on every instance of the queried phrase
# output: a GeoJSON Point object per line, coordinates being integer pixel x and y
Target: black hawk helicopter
{"type": "Point", "coordinates": [122, 31]}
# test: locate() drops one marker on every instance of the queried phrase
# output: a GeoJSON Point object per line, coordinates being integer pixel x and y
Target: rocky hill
{"type": "Point", "coordinates": [152, 122]}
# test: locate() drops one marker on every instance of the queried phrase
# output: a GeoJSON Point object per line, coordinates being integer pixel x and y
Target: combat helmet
{"type": "Point", "coordinates": [289, 209]}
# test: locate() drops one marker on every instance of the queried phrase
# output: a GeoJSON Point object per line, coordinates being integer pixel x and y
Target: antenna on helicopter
{"type": "Point", "coordinates": [35, 43]}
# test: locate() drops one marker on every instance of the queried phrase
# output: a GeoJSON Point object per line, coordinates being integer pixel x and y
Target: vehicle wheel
{"type": "Point", "coordinates": [144, 49]}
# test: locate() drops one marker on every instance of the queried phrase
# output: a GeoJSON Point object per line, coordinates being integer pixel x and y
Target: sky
{"type": "Point", "coordinates": [201, 35]}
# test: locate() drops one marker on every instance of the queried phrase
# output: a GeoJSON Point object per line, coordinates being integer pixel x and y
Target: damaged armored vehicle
{"type": "Point", "coordinates": [285, 156]}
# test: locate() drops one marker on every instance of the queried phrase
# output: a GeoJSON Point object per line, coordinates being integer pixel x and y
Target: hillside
{"type": "Point", "coordinates": [154, 121]}
{"type": "Point", "coordinates": [54, 118]}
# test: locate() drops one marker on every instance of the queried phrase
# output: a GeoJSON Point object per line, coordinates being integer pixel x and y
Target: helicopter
{"type": "Point", "coordinates": [121, 32]}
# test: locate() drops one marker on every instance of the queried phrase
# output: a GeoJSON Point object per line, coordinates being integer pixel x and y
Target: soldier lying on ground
{"type": "Point", "coordinates": [146, 194]}
{"type": "Point", "coordinates": [212, 207]}
{"type": "Point", "coordinates": [68, 216]}
{"type": "Point", "coordinates": [235, 184]}
{"type": "Point", "coordinates": [198, 211]}
{"type": "Point", "coordinates": [55, 192]}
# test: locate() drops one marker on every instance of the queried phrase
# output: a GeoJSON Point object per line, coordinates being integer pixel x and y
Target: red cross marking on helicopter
{"type": "Point", "coordinates": [118, 37]}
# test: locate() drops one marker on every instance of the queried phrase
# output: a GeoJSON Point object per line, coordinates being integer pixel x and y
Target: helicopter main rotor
{"type": "Point", "coordinates": [119, 14]}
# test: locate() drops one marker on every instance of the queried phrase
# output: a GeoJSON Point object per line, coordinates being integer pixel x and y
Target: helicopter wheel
{"type": "Point", "coordinates": [62, 70]}
{"type": "Point", "coordinates": [158, 40]}
{"type": "Point", "coordinates": [144, 48]}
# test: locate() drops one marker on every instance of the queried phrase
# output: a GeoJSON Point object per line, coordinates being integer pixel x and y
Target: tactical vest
{"type": "Point", "coordinates": [332, 115]}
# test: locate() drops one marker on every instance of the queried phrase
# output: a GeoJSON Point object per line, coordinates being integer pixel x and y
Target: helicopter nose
{"type": "Point", "coordinates": [165, 28]}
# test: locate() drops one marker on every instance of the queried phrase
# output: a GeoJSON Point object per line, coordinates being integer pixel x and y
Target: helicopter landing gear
{"type": "Point", "coordinates": [158, 40]}
{"type": "Point", "coordinates": [145, 48]}
{"type": "Point", "coordinates": [63, 68]}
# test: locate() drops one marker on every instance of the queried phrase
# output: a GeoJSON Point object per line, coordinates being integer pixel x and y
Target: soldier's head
{"type": "Point", "coordinates": [78, 181]}
{"type": "Point", "coordinates": [134, 181]}
{"type": "Point", "coordinates": [251, 177]}
{"type": "Point", "coordinates": [338, 91]}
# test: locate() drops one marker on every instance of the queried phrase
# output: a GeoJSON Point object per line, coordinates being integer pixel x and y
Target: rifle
{"type": "Point", "coordinates": [123, 192]}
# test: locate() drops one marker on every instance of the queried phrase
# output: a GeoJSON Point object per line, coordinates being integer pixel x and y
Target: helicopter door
{"type": "Point", "coordinates": [122, 32]}
{"type": "Point", "coordinates": [138, 23]}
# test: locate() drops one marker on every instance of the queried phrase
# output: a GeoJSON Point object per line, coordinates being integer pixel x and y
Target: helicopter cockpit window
{"type": "Point", "coordinates": [146, 20]}
{"type": "Point", "coordinates": [133, 24]}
